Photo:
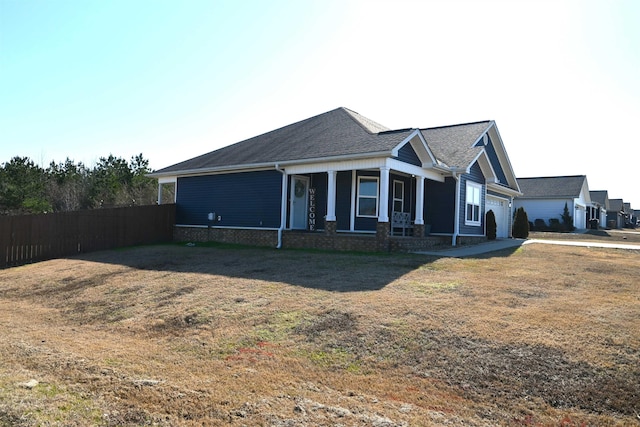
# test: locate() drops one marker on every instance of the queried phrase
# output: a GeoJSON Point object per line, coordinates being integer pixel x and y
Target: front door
{"type": "Point", "coordinates": [299, 200]}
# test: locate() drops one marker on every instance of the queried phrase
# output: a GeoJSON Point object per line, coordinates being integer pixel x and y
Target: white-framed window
{"type": "Point", "coordinates": [472, 211]}
{"type": "Point", "coordinates": [398, 196]}
{"type": "Point", "coordinates": [367, 205]}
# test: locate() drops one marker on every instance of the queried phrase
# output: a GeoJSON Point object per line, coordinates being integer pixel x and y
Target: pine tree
{"type": "Point", "coordinates": [567, 219]}
{"type": "Point", "coordinates": [492, 227]}
{"type": "Point", "coordinates": [521, 224]}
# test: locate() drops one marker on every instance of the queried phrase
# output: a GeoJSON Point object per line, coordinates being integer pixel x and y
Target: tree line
{"type": "Point", "coordinates": [26, 188]}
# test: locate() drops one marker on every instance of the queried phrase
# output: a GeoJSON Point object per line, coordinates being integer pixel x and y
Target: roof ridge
{"type": "Point", "coordinates": [555, 176]}
{"type": "Point", "coordinates": [360, 120]}
{"type": "Point", "coordinates": [459, 124]}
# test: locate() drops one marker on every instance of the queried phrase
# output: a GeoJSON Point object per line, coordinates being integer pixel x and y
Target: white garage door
{"type": "Point", "coordinates": [500, 208]}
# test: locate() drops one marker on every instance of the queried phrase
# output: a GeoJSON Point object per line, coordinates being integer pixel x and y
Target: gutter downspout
{"type": "Point", "coordinates": [456, 221]}
{"type": "Point", "coordinates": [283, 206]}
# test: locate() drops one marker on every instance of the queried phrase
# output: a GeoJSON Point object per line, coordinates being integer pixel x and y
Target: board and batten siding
{"type": "Point", "coordinates": [407, 154]}
{"type": "Point", "coordinates": [475, 175]}
{"type": "Point", "coordinates": [439, 207]}
{"type": "Point", "coordinates": [495, 162]}
{"type": "Point", "coordinates": [247, 199]}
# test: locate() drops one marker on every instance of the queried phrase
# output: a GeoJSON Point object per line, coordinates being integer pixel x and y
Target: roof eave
{"type": "Point", "coordinates": [268, 165]}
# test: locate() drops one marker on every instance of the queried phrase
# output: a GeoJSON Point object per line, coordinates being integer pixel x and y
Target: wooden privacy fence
{"type": "Point", "coordinates": [30, 238]}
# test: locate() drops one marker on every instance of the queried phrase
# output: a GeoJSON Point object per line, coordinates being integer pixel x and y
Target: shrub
{"type": "Point", "coordinates": [554, 225]}
{"type": "Point", "coordinates": [540, 225]}
{"type": "Point", "coordinates": [521, 224]}
{"type": "Point", "coordinates": [492, 227]}
{"type": "Point", "coordinates": [567, 219]}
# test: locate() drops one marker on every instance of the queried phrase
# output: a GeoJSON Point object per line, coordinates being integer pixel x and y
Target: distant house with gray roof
{"type": "Point", "coordinates": [616, 215]}
{"type": "Point", "coordinates": [600, 206]}
{"type": "Point", "coordinates": [340, 180]}
{"type": "Point", "coordinates": [545, 198]}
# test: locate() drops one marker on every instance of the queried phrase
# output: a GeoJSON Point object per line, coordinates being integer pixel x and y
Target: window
{"type": "Point", "coordinates": [398, 196]}
{"type": "Point", "coordinates": [367, 196]}
{"type": "Point", "coordinates": [474, 192]}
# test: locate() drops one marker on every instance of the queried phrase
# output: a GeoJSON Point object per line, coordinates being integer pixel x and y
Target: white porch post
{"type": "Point", "coordinates": [383, 211]}
{"type": "Point", "coordinates": [331, 196]}
{"type": "Point", "coordinates": [419, 200]}
{"type": "Point", "coordinates": [159, 193]}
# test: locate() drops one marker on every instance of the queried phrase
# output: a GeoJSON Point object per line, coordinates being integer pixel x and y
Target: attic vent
{"type": "Point", "coordinates": [485, 139]}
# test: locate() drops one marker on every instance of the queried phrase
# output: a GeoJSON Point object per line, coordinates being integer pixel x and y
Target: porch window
{"type": "Point", "coordinates": [474, 192]}
{"type": "Point", "coordinates": [367, 196]}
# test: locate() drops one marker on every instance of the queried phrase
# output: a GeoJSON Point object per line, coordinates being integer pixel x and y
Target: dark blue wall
{"type": "Point", "coordinates": [495, 163]}
{"type": "Point", "coordinates": [319, 181]}
{"type": "Point", "coordinates": [439, 209]}
{"type": "Point", "coordinates": [249, 199]}
{"type": "Point", "coordinates": [343, 200]}
{"type": "Point", "coordinates": [408, 155]}
{"type": "Point", "coordinates": [475, 175]}
{"type": "Point", "coordinates": [366, 224]}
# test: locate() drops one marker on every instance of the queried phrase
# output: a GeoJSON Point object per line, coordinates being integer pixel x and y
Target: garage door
{"type": "Point", "coordinates": [500, 208]}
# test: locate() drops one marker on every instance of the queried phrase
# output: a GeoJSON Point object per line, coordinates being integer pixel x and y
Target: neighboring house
{"type": "Point", "coordinates": [616, 214]}
{"type": "Point", "coordinates": [545, 198]}
{"type": "Point", "coordinates": [599, 206]}
{"type": "Point", "coordinates": [628, 214]}
{"type": "Point", "coordinates": [340, 174]}
{"type": "Point", "coordinates": [636, 217]}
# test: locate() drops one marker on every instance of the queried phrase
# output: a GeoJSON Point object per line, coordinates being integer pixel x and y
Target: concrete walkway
{"type": "Point", "coordinates": [500, 244]}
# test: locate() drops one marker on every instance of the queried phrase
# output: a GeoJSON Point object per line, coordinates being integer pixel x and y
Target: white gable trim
{"type": "Point", "coordinates": [419, 145]}
{"type": "Point", "coordinates": [503, 158]}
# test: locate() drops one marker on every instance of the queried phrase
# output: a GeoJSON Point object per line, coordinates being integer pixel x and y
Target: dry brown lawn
{"type": "Point", "coordinates": [191, 336]}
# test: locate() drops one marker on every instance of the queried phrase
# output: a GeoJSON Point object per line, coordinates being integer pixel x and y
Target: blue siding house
{"type": "Point", "coordinates": [339, 174]}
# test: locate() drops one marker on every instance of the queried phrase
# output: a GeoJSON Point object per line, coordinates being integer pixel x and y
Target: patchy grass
{"type": "Point", "coordinates": [217, 335]}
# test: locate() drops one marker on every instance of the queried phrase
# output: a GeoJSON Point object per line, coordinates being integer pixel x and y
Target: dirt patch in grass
{"type": "Point", "coordinates": [175, 335]}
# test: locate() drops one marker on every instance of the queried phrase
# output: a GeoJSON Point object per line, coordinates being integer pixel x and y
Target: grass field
{"type": "Point", "coordinates": [190, 336]}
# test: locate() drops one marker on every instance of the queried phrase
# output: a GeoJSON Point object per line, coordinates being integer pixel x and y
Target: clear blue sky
{"type": "Point", "coordinates": [175, 79]}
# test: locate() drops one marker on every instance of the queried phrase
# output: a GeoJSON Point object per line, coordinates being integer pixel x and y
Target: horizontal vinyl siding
{"type": "Point", "coordinates": [250, 199]}
{"type": "Point", "coordinates": [543, 209]}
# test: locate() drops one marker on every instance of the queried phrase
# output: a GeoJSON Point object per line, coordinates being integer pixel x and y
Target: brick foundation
{"type": "Point", "coordinates": [379, 242]}
{"type": "Point", "coordinates": [330, 227]}
{"type": "Point", "coordinates": [246, 236]}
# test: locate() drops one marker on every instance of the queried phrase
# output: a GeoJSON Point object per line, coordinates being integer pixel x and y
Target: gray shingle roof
{"type": "Point", "coordinates": [453, 145]}
{"type": "Point", "coordinates": [551, 187]}
{"type": "Point", "coordinates": [600, 197]}
{"type": "Point", "coordinates": [616, 205]}
{"type": "Point", "coordinates": [339, 132]}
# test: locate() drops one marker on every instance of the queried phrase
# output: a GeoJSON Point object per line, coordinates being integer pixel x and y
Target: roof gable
{"type": "Point", "coordinates": [552, 187]}
{"type": "Point", "coordinates": [455, 146]}
{"type": "Point", "coordinates": [600, 197]}
{"type": "Point", "coordinates": [616, 204]}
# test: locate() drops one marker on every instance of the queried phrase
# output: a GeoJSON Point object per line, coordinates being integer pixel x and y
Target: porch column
{"type": "Point", "coordinates": [159, 193]}
{"type": "Point", "coordinates": [418, 223]}
{"type": "Point", "coordinates": [419, 200]}
{"type": "Point", "coordinates": [383, 211]}
{"type": "Point", "coordinates": [331, 196]}
{"type": "Point", "coordinates": [330, 225]}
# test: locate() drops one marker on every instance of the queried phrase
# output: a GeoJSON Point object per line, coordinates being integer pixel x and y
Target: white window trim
{"type": "Point", "coordinates": [395, 196]}
{"type": "Point", "coordinates": [478, 187]}
{"type": "Point", "coordinates": [376, 197]}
